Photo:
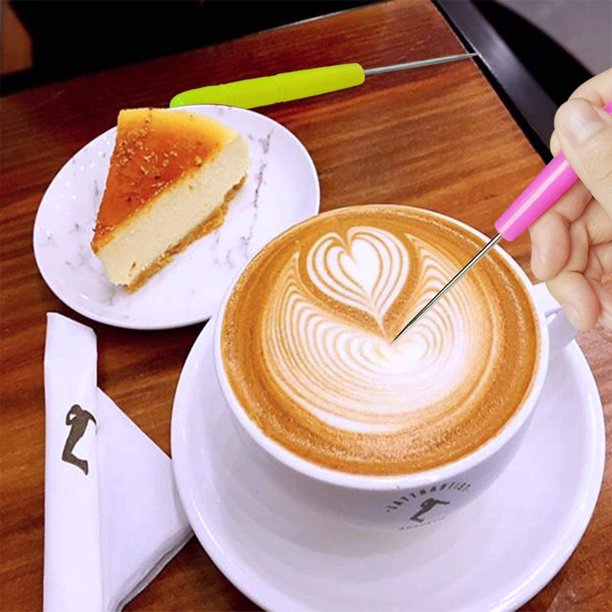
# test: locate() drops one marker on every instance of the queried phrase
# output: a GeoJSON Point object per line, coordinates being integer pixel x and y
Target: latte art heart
{"type": "Point", "coordinates": [336, 364]}
{"type": "Point", "coordinates": [367, 270]}
{"type": "Point", "coordinates": [307, 346]}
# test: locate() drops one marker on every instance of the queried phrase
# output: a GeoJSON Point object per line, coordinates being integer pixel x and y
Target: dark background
{"type": "Point", "coordinates": [71, 37]}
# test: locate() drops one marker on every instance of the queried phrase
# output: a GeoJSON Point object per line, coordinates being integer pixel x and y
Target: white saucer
{"type": "Point", "coordinates": [282, 189]}
{"type": "Point", "coordinates": [495, 554]}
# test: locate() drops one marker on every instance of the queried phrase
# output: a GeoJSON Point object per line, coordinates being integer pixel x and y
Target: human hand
{"type": "Point", "coordinates": [572, 242]}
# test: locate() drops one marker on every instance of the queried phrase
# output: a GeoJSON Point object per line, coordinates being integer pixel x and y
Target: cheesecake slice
{"type": "Point", "coordinates": [171, 177]}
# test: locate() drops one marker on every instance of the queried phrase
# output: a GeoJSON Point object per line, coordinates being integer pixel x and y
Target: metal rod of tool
{"type": "Point", "coordinates": [419, 64]}
{"type": "Point", "coordinates": [451, 283]}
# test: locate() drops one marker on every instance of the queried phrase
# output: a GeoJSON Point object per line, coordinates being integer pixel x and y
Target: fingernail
{"type": "Point", "coordinates": [572, 314]}
{"type": "Point", "coordinates": [580, 122]}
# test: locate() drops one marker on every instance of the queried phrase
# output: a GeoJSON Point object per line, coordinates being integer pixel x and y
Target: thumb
{"type": "Point", "coordinates": [585, 135]}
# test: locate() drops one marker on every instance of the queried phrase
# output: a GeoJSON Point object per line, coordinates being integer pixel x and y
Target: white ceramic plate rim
{"type": "Point", "coordinates": [257, 590]}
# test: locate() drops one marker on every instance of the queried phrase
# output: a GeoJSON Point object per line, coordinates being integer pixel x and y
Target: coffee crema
{"type": "Point", "coordinates": [306, 341]}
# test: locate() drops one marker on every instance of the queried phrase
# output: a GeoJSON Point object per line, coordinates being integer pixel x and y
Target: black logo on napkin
{"type": "Point", "coordinates": [77, 419]}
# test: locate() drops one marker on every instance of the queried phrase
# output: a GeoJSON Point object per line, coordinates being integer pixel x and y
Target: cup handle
{"type": "Point", "coordinates": [560, 330]}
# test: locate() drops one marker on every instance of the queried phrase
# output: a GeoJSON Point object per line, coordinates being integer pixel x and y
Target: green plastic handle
{"type": "Point", "coordinates": [262, 91]}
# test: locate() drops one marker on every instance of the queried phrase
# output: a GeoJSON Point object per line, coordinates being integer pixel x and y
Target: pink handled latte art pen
{"type": "Point", "coordinates": [544, 191]}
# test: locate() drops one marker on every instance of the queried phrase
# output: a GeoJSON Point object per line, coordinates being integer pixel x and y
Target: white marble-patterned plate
{"type": "Point", "coordinates": [282, 189]}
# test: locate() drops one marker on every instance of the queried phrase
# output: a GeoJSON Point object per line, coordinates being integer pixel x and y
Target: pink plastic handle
{"type": "Point", "coordinates": [554, 180]}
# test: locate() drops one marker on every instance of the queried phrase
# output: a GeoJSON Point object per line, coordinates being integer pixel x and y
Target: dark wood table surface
{"type": "Point", "coordinates": [439, 138]}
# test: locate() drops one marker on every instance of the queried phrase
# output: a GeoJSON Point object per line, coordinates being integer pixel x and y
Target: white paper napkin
{"type": "Point", "coordinates": [113, 518]}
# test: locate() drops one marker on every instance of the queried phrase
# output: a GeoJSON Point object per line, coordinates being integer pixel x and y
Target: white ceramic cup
{"type": "Point", "coordinates": [415, 499]}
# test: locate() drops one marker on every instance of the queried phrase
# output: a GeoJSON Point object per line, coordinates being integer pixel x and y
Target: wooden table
{"type": "Point", "coordinates": [438, 137]}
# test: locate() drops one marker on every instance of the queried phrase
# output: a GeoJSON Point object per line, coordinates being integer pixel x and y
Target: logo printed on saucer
{"type": "Point", "coordinates": [419, 504]}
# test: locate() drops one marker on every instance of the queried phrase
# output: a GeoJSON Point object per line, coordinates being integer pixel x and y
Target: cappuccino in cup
{"type": "Point", "coordinates": [305, 342]}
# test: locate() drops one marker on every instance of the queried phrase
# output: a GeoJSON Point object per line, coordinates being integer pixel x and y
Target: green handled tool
{"type": "Point", "coordinates": [286, 86]}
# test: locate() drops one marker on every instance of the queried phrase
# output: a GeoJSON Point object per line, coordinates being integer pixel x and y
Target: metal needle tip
{"type": "Point", "coordinates": [419, 64]}
{"type": "Point", "coordinates": [450, 284]}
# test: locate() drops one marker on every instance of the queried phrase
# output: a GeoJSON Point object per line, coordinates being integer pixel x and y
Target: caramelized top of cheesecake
{"type": "Point", "coordinates": [154, 149]}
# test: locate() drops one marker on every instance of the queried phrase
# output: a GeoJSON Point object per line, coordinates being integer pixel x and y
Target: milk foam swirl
{"type": "Point", "coordinates": [328, 383]}
{"type": "Point", "coordinates": [353, 378]}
